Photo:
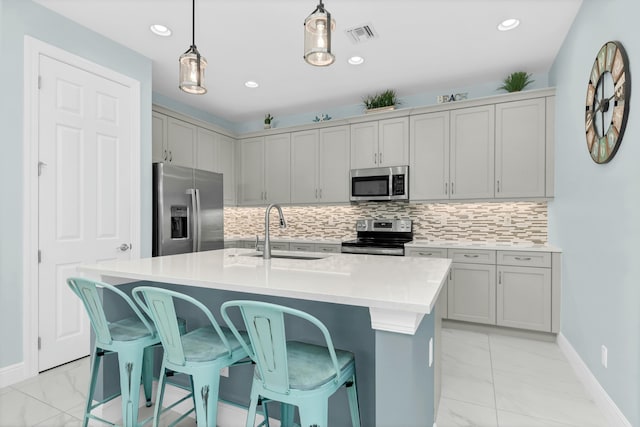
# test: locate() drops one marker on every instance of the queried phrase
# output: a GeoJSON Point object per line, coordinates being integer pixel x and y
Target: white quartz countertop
{"type": "Point", "coordinates": [495, 246]}
{"type": "Point", "coordinates": [399, 284]}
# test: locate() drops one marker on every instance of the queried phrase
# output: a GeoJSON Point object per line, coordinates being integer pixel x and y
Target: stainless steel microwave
{"type": "Point", "coordinates": [389, 183]}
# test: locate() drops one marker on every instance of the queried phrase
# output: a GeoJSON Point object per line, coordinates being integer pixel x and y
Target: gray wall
{"type": "Point", "coordinates": [594, 217]}
{"type": "Point", "coordinates": [17, 19]}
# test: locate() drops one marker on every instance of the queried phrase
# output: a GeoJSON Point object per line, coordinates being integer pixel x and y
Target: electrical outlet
{"type": "Point", "coordinates": [603, 355]}
{"type": "Point", "coordinates": [224, 372]}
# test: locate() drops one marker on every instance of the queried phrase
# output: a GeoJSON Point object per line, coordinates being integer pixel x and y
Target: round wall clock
{"type": "Point", "coordinates": [607, 108]}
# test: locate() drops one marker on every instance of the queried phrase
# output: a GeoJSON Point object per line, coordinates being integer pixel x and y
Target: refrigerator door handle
{"type": "Point", "coordinates": [199, 221]}
{"type": "Point", "coordinates": [194, 218]}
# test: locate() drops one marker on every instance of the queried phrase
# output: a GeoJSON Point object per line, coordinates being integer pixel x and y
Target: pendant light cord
{"type": "Point", "coordinates": [193, 23]}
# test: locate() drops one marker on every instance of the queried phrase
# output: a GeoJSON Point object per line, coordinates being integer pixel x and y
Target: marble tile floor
{"type": "Point", "coordinates": [489, 380]}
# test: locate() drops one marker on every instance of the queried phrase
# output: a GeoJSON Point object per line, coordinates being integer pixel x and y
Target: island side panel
{"type": "Point", "coordinates": [405, 383]}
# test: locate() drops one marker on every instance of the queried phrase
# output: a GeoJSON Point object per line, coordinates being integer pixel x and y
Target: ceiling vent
{"type": "Point", "coordinates": [362, 33]}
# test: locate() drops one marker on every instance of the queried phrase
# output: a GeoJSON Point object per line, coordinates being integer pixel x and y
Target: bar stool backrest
{"type": "Point", "coordinates": [88, 292]}
{"type": "Point", "coordinates": [265, 326]}
{"type": "Point", "coordinates": [158, 303]}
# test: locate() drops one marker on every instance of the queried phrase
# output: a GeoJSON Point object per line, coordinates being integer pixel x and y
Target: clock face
{"type": "Point", "coordinates": [607, 105]}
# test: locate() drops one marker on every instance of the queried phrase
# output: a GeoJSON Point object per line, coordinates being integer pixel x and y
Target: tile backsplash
{"type": "Point", "coordinates": [513, 222]}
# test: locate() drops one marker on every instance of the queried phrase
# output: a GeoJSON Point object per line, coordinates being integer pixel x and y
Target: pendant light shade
{"type": "Point", "coordinates": [192, 64]}
{"type": "Point", "coordinates": [317, 37]}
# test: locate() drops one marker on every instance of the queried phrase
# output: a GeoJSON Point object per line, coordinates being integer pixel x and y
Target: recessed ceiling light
{"type": "Point", "coordinates": [508, 24]}
{"type": "Point", "coordinates": [251, 84]}
{"type": "Point", "coordinates": [161, 30]}
{"type": "Point", "coordinates": [356, 60]}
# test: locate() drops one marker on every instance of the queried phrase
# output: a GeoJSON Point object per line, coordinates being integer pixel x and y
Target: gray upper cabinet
{"type": "Point", "coordinates": [173, 140]}
{"type": "Point", "coordinates": [472, 153]}
{"type": "Point", "coordinates": [520, 149]}
{"type": "Point", "coordinates": [429, 148]}
{"type": "Point", "coordinates": [265, 170]}
{"type": "Point", "coordinates": [251, 186]}
{"type": "Point", "coordinates": [159, 138]}
{"type": "Point", "coordinates": [380, 143]}
{"type": "Point", "coordinates": [320, 165]}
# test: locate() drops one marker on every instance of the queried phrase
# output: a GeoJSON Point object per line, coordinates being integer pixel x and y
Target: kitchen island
{"type": "Point", "coordinates": [381, 307]}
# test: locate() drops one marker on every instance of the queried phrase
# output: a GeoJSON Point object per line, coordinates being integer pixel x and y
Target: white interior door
{"type": "Point", "coordinates": [84, 195]}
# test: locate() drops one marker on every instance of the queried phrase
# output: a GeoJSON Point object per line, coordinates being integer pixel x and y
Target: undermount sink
{"type": "Point", "coordinates": [301, 257]}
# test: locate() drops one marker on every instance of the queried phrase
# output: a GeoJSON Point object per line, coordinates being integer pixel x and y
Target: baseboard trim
{"type": "Point", "coordinates": [12, 374]}
{"type": "Point", "coordinates": [608, 407]}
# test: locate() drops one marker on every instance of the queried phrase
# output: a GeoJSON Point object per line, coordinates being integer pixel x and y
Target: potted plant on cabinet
{"type": "Point", "coordinates": [386, 100]}
{"type": "Point", "coordinates": [267, 121]}
{"type": "Point", "coordinates": [516, 81]}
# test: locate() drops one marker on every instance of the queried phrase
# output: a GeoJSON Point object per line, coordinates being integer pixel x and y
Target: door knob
{"type": "Point", "coordinates": [124, 247]}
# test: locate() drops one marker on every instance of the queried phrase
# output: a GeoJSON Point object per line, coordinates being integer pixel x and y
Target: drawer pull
{"type": "Point", "coordinates": [523, 258]}
{"type": "Point", "coordinates": [425, 253]}
{"type": "Point", "coordinates": [471, 256]}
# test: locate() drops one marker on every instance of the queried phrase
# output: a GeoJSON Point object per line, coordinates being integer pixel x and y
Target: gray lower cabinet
{"type": "Point", "coordinates": [472, 293]}
{"type": "Point", "coordinates": [524, 294]}
{"type": "Point", "coordinates": [434, 253]}
{"type": "Point", "coordinates": [516, 289]}
{"type": "Point", "coordinates": [524, 297]}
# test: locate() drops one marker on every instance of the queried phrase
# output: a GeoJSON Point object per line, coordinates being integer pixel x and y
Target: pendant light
{"type": "Point", "coordinates": [192, 64]}
{"type": "Point", "coordinates": [317, 37]}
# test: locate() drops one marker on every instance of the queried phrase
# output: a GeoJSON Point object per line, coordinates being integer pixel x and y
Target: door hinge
{"type": "Point", "coordinates": [39, 256]}
{"type": "Point", "coordinates": [39, 343]}
{"type": "Point", "coordinates": [39, 82]}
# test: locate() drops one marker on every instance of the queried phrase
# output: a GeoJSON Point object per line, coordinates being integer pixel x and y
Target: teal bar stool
{"type": "Point", "coordinates": [294, 373]}
{"type": "Point", "coordinates": [199, 353]}
{"type": "Point", "coordinates": [131, 338]}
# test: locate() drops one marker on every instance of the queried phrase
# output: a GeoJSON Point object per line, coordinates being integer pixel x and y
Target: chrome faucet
{"type": "Point", "coordinates": [266, 254]}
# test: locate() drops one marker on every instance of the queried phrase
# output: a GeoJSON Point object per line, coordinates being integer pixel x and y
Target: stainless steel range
{"type": "Point", "coordinates": [380, 237]}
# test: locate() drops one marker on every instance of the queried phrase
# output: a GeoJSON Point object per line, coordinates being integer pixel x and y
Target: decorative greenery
{"type": "Point", "coordinates": [382, 99]}
{"type": "Point", "coordinates": [516, 81]}
{"type": "Point", "coordinates": [267, 119]}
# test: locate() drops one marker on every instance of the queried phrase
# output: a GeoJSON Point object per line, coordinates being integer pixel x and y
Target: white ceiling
{"type": "Point", "coordinates": [422, 45]}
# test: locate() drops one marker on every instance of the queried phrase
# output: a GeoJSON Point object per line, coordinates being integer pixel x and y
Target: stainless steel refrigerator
{"type": "Point", "coordinates": [188, 213]}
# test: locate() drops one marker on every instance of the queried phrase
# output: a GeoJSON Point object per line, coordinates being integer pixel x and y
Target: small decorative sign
{"type": "Point", "coordinates": [451, 98]}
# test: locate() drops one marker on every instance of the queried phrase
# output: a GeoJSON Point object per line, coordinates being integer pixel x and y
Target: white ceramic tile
{"type": "Point", "coordinates": [552, 400]}
{"type": "Point", "coordinates": [510, 419]}
{"type": "Point", "coordinates": [469, 390]}
{"type": "Point", "coordinates": [19, 409]}
{"type": "Point", "coordinates": [453, 413]}
{"type": "Point", "coordinates": [517, 355]}
{"type": "Point", "coordinates": [61, 420]}
{"type": "Point", "coordinates": [62, 388]}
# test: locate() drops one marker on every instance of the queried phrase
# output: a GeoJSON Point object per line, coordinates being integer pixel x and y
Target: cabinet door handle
{"type": "Point", "coordinates": [380, 156]}
{"type": "Point", "coordinates": [523, 258]}
{"type": "Point", "coordinates": [500, 278]}
{"type": "Point", "coordinates": [165, 155]}
{"type": "Point", "coordinates": [321, 193]}
{"type": "Point", "coordinates": [471, 255]}
{"type": "Point", "coordinates": [316, 193]}
{"type": "Point", "coordinates": [451, 187]}
{"type": "Point", "coordinates": [170, 156]}
{"type": "Point", "coordinates": [446, 188]}
{"type": "Point", "coordinates": [498, 186]}
{"type": "Point", "coordinates": [375, 158]}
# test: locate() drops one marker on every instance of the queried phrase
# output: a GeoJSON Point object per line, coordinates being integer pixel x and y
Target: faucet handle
{"type": "Point", "coordinates": [257, 241]}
